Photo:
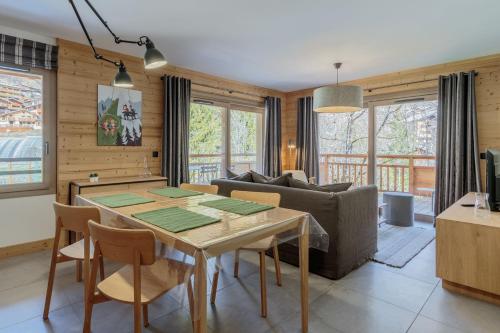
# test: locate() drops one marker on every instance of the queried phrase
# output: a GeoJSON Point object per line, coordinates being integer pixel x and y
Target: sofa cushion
{"type": "Point", "coordinates": [279, 181]}
{"type": "Point", "coordinates": [244, 177]}
{"type": "Point", "coordinates": [339, 187]}
{"type": "Point", "coordinates": [258, 178]}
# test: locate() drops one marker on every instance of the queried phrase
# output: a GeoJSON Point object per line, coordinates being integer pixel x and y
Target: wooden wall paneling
{"type": "Point", "coordinates": [78, 76]}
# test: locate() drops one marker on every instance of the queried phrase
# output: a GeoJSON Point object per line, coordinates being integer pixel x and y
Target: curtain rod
{"type": "Point", "coordinates": [260, 96]}
{"type": "Point", "coordinates": [414, 82]}
{"type": "Point", "coordinates": [231, 91]}
{"type": "Point", "coordinates": [216, 102]}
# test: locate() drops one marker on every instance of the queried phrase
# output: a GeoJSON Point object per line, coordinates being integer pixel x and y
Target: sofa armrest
{"type": "Point", "coordinates": [356, 227]}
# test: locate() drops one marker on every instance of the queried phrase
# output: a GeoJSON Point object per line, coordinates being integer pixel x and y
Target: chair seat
{"type": "Point", "coordinates": [260, 245]}
{"type": "Point", "coordinates": [156, 280]}
{"type": "Point", "coordinates": [76, 251]}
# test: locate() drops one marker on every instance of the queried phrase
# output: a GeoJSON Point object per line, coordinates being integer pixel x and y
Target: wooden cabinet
{"type": "Point", "coordinates": [468, 251]}
{"type": "Point", "coordinates": [114, 184]}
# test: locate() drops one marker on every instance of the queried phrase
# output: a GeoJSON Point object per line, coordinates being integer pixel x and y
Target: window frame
{"type": "Point", "coordinates": [388, 99]}
{"type": "Point", "coordinates": [260, 134]}
{"type": "Point", "coordinates": [229, 106]}
{"type": "Point", "coordinates": [49, 129]}
{"type": "Point", "coordinates": [371, 102]}
{"type": "Point", "coordinates": [322, 176]}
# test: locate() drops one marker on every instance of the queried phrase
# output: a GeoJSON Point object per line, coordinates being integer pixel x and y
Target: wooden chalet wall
{"type": "Point", "coordinates": [77, 79]}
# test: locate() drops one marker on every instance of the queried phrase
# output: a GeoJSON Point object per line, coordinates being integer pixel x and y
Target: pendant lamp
{"type": "Point", "coordinates": [338, 98]}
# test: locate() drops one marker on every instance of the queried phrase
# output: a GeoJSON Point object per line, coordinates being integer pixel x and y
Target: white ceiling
{"type": "Point", "coordinates": [281, 44]}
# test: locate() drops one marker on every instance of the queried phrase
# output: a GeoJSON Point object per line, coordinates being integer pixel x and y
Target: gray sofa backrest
{"type": "Point", "coordinates": [320, 203]}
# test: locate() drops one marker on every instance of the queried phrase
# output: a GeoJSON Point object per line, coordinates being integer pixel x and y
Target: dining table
{"type": "Point", "coordinates": [230, 233]}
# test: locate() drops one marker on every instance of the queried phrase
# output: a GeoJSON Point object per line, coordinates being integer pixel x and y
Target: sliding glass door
{"type": "Point", "coordinates": [405, 140]}
{"type": "Point", "coordinates": [390, 143]}
{"type": "Point", "coordinates": [223, 136]}
{"type": "Point", "coordinates": [245, 128]}
{"type": "Point", "coordinates": [207, 136]}
{"type": "Point", "coordinates": [343, 141]}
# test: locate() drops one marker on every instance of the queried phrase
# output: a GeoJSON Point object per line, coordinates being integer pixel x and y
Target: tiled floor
{"type": "Point", "coordinates": [374, 298]}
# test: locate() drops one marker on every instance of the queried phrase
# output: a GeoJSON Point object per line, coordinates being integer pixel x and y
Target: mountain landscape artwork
{"type": "Point", "coordinates": [119, 116]}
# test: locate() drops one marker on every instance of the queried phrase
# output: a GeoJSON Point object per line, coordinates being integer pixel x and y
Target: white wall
{"type": "Point", "coordinates": [27, 35]}
{"type": "Point", "coordinates": [26, 219]}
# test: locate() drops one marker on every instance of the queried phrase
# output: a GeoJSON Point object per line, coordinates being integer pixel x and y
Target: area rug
{"type": "Point", "coordinates": [398, 245]}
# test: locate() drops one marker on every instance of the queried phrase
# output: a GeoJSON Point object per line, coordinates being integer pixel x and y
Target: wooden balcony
{"type": "Point", "coordinates": [406, 173]}
{"type": "Point", "coordinates": [205, 167]}
{"type": "Point", "coordinates": [16, 170]}
{"type": "Point", "coordinates": [403, 173]}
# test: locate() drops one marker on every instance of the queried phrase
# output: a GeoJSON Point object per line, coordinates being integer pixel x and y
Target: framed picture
{"type": "Point", "coordinates": [119, 116]}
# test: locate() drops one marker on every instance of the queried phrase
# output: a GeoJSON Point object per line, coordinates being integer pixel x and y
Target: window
{"type": "Point", "coordinates": [390, 143]}
{"type": "Point", "coordinates": [27, 100]}
{"type": "Point", "coordinates": [406, 146]}
{"type": "Point", "coordinates": [223, 136]}
{"type": "Point", "coordinates": [343, 142]}
{"type": "Point", "coordinates": [207, 151]}
{"type": "Point", "coordinates": [246, 140]}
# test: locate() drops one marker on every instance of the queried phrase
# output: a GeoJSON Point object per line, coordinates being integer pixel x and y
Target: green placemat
{"type": "Point", "coordinates": [121, 200]}
{"type": "Point", "coordinates": [175, 219]}
{"type": "Point", "coordinates": [174, 192]}
{"type": "Point", "coordinates": [237, 206]}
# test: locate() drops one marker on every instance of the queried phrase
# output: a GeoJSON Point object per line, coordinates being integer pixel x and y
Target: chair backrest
{"type": "Point", "coordinates": [267, 198]}
{"type": "Point", "coordinates": [76, 218]}
{"type": "Point", "coordinates": [122, 245]}
{"type": "Point", "coordinates": [210, 189]}
{"type": "Point", "coordinates": [297, 174]}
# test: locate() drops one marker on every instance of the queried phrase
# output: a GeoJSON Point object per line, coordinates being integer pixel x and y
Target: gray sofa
{"type": "Point", "coordinates": [349, 218]}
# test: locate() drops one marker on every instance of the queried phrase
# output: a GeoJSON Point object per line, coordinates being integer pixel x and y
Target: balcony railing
{"type": "Point", "coordinates": [405, 173]}
{"type": "Point", "coordinates": [205, 167]}
{"type": "Point", "coordinates": [14, 170]}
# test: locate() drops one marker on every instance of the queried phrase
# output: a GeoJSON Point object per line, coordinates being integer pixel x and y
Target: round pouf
{"type": "Point", "coordinates": [399, 210]}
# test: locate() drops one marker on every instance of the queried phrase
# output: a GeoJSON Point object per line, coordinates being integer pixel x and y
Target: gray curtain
{"type": "Point", "coordinates": [177, 100]}
{"type": "Point", "coordinates": [307, 138]}
{"type": "Point", "coordinates": [457, 151]}
{"type": "Point", "coordinates": [272, 136]}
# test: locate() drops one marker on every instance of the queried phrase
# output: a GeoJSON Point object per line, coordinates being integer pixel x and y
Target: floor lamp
{"type": "Point", "coordinates": [291, 146]}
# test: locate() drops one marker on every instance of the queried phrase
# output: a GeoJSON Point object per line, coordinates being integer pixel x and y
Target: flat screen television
{"type": "Point", "coordinates": [493, 178]}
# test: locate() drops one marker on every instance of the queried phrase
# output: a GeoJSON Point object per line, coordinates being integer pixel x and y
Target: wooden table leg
{"type": "Point", "coordinates": [200, 293]}
{"type": "Point", "coordinates": [304, 275]}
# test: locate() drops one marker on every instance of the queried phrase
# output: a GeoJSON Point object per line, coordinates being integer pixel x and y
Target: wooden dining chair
{"type": "Point", "coordinates": [260, 247]}
{"type": "Point", "coordinates": [210, 189]}
{"type": "Point", "coordinates": [74, 219]}
{"type": "Point", "coordinates": [143, 279]}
